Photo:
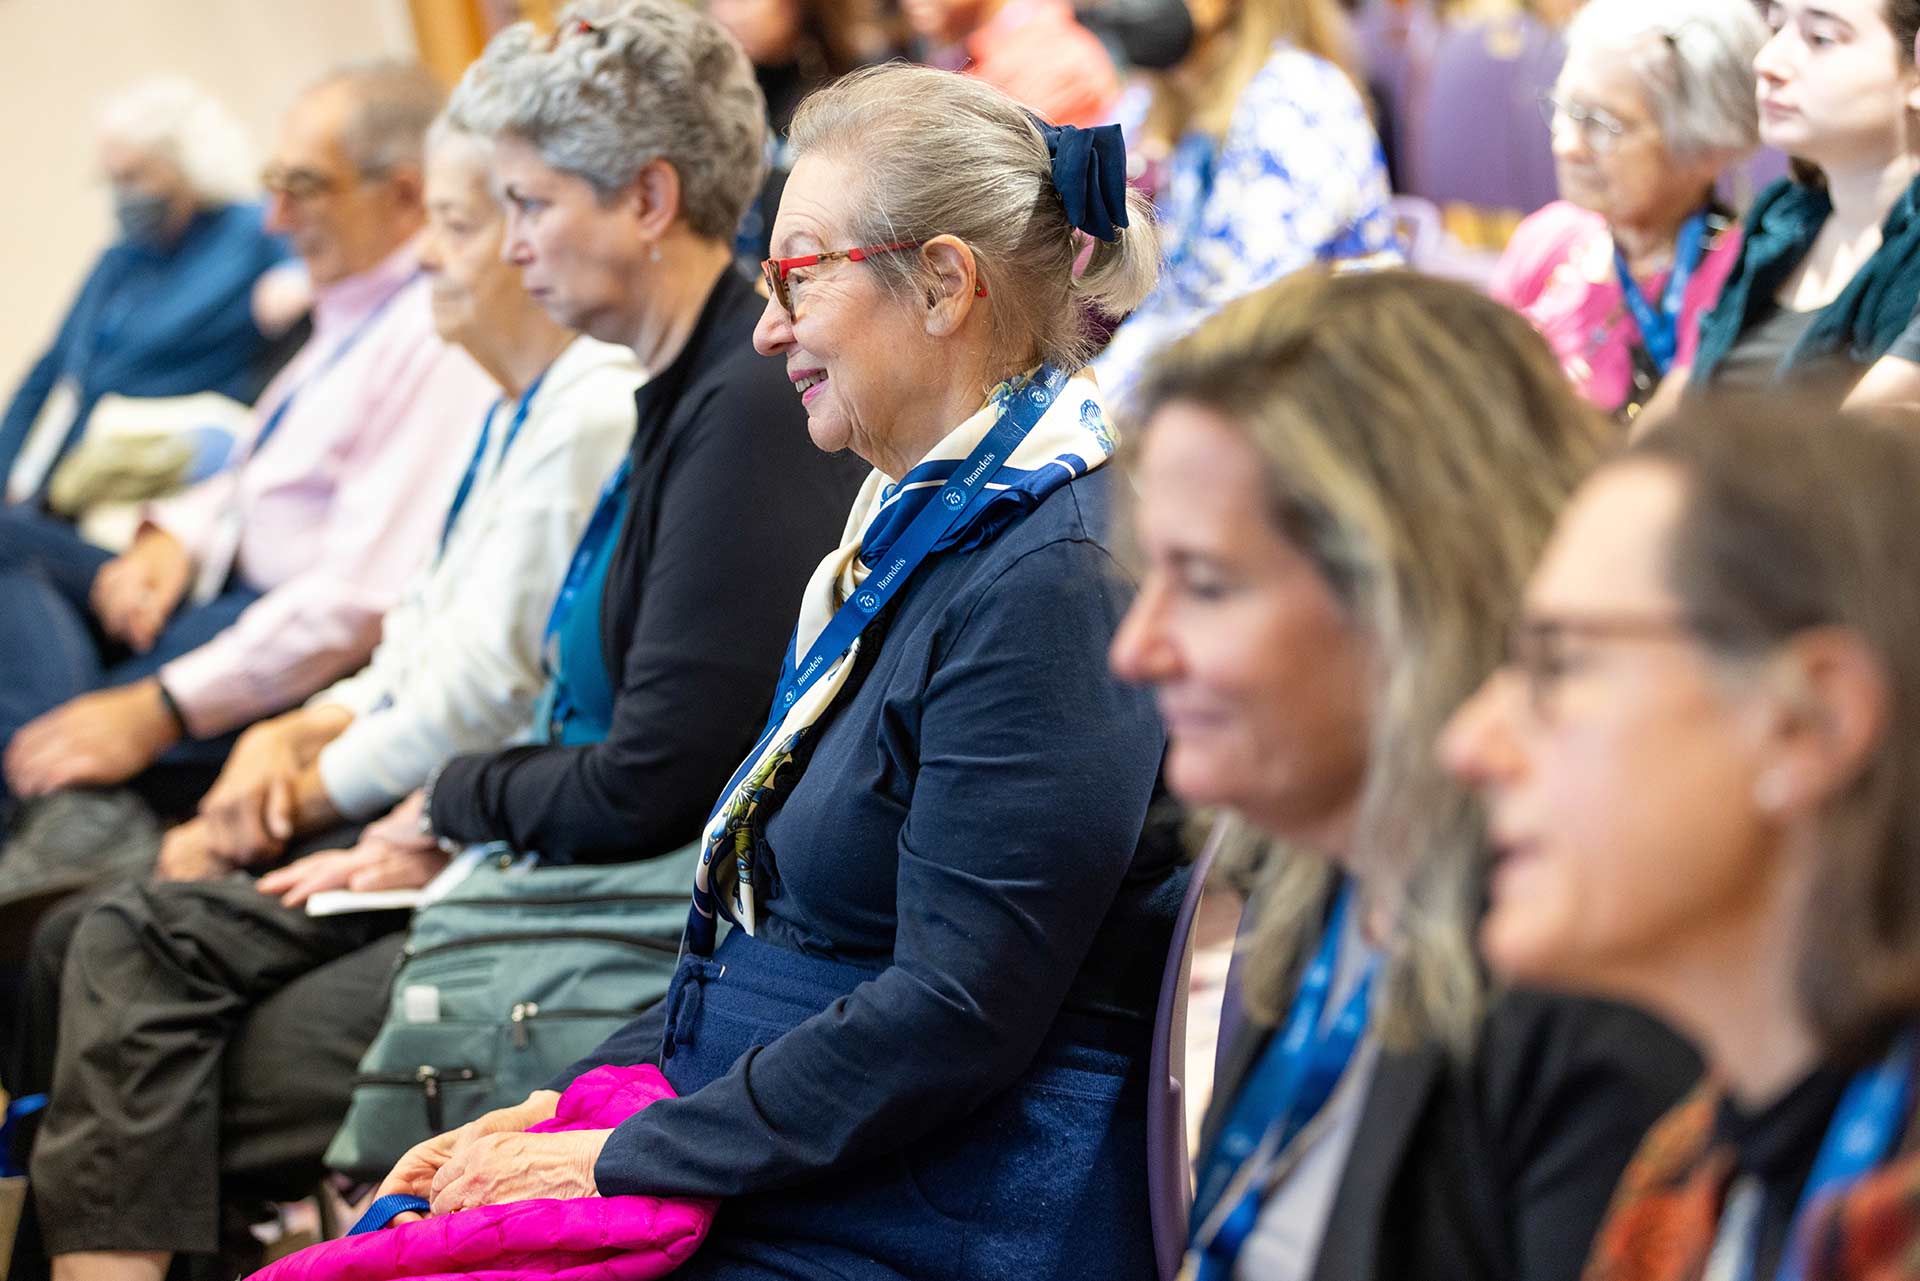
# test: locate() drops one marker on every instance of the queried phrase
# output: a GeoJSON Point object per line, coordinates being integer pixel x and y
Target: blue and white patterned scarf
{"type": "Point", "coordinates": [1071, 438]}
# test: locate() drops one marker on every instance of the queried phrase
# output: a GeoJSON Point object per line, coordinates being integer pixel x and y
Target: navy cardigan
{"type": "Point", "coordinates": [971, 820]}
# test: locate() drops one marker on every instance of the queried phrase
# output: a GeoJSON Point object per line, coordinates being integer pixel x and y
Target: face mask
{"type": "Point", "coordinates": [142, 215]}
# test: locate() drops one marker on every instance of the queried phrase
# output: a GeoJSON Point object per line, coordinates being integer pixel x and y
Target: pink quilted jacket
{"type": "Point", "coordinates": [625, 1238]}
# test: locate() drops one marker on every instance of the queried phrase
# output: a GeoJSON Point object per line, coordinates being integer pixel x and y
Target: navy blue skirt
{"type": "Point", "coordinates": [1046, 1180]}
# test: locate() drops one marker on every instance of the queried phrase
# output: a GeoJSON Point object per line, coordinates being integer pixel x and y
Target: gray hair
{"type": "Point", "coordinates": [942, 154]}
{"type": "Point", "coordinates": [393, 103]}
{"type": "Point", "coordinates": [618, 86]}
{"type": "Point", "coordinates": [445, 131]}
{"type": "Point", "coordinates": [1694, 61]}
{"type": "Point", "coordinates": [173, 117]}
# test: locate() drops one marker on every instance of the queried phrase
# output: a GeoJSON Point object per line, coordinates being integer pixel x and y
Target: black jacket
{"type": "Point", "coordinates": [730, 508]}
{"type": "Point", "coordinates": [1499, 1169]}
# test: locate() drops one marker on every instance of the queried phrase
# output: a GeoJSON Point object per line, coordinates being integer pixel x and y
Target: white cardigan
{"type": "Point", "coordinates": [458, 667]}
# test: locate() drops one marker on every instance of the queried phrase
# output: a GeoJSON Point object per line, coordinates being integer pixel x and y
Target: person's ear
{"type": "Point", "coordinates": [1827, 700]}
{"type": "Point", "coordinates": [1913, 84]}
{"type": "Point", "coordinates": [952, 284]}
{"type": "Point", "coordinates": [652, 199]}
{"type": "Point", "coordinates": [406, 187]}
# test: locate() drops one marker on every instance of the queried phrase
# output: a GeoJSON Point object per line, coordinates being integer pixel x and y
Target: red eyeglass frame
{"type": "Point", "coordinates": [774, 270]}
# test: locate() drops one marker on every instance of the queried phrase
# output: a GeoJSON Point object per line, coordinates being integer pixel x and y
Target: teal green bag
{"type": "Point", "coordinates": [513, 976]}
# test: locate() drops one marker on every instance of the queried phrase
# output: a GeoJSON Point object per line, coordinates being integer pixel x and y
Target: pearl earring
{"type": "Point", "coordinates": [653, 255]}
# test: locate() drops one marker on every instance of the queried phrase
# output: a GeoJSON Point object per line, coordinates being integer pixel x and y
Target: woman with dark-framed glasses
{"type": "Point", "coordinates": [1342, 482]}
{"type": "Point", "coordinates": [1699, 769]}
{"type": "Point", "coordinates": [1654, 102]}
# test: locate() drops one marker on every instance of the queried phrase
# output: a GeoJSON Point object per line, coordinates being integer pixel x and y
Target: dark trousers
{"type": "Point", "coordinates": [206, 1044]}
{"type": "Point", "coordinates": [50, 649]}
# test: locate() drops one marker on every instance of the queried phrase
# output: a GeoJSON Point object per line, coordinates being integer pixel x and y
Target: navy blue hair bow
{"type": "Point", "coordinates": [1090, 173]}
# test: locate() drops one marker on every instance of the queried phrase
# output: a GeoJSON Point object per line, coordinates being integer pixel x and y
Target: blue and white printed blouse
{"type": "Point", "coordinates": [1299, 177]}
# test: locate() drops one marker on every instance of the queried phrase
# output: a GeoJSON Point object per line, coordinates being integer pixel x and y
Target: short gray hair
{"type": "Point", "coordinates": [618, 86]}
{"type": "Point", "coordinates": [937, 153]}
{"type": "Point", "coordinates": [1694, 61]}
{"type": "Point", "coordinates": [175, 118]}
{"type": "Point", "coordinates": [446, 132]}
{"type": "Point", "coordinates": [393, 102]}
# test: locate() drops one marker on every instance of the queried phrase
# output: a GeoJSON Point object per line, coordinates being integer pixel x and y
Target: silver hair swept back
{"type": "Point", "coordinates": [935, 153]}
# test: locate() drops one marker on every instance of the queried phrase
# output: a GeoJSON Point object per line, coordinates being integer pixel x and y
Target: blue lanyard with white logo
{"type": "Point", "coordinates": [1025, 405]}
{"type": "Point", "coordinates": [1865, 1126]}
{"type": "Point", "coordinates": [331, 359]}
{"type": "Point", "coordinates": [1294, 1080]}
{"type": "Point", "coordinates": [1660, 332]}
{"type": "Point", "coordinates": [472, 475]}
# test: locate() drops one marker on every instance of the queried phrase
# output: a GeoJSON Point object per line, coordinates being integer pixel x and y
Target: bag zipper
{"type": "Point", "coordinates": [411, 953]}
{"type": "Point", "coordinates": [428, 1078]}
{"type": "Point", "coordinates": [526, 1010]}
{"type": "Point", "coordinates": [562, 900]}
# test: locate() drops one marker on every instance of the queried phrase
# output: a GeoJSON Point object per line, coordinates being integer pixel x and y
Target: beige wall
{"type": "Point", "coordinates": [59, 58]}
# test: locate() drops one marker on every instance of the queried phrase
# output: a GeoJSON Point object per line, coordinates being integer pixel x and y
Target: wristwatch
{"type": "Point", "coordinates": [426, 813]}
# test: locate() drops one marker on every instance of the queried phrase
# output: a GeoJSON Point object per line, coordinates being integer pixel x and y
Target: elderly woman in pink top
{"type": "Point", "coordinates": [1655, 99]}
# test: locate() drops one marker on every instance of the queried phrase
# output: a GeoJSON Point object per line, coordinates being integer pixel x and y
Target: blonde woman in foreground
{"type": "Point", "coordinates": [1343, 480]}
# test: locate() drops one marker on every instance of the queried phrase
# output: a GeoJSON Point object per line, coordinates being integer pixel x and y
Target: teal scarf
{"type": "Point", "coordinates": [1877, 304]}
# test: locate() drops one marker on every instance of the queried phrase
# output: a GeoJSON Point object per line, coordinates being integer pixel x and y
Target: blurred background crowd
{"type": "Point", "coordinates": [422, 417]}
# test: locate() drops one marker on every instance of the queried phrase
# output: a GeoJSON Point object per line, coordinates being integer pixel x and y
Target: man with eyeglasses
{"type": "Point", "coordinates": [247, 593]}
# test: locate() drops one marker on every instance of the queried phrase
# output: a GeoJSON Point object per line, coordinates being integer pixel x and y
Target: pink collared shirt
{"type": "Point", "coordinates": [339, 507]}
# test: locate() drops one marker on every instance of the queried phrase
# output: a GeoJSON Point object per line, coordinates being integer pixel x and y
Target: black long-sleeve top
{"type": "Point", "coordinates": [1496, 1166]}
{"type": "Point", "coordinates": [730, 507]}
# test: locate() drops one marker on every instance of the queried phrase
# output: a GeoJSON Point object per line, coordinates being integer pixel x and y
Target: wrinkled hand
{"type": "Point", "coordinates": [186, 854]}
{"type": "Point", "coordinates": [401, 826]}
{"type": "Point", "coordinates": [251, 807]}
{"type": "Point", "coordinates": [96, 739]}
{"type": "Point", "coordinates": [498, 1168]}
{"type": "Point", "coordinates": [373, 864]}
{"type": "Point", "coordinates": [415, 1171]}
{"type": "Point", "coordinates": [135, 593]}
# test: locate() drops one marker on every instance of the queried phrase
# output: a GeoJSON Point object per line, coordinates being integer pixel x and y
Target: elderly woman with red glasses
{"type": "Point", "coordinates": [920, 1049]}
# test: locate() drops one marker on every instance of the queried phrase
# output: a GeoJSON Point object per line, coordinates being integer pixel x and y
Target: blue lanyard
{"type": "Point", "coordinates": [331, 359]}
{"type": "Point", "coordinates": [607, 510]}
{"type": "Point", "coordinates": [1864, 1128]}
{"type": "Point", "coordinates": [1294, 1080]}
{"type": "Point", "coordinates": [1660, 334]}
{"type": "Point", "coordinates": [472, 475]}
{"type": "Point", "coordinates": [1024, 405]}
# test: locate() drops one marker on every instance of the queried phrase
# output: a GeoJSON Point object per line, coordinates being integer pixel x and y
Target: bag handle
{"type": "Point", "coordinates": [386, 1209]}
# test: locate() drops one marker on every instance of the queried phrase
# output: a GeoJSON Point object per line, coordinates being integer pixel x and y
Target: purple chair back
{"type": "Point", "coordinates": [1477, 135]}
{"type": "Point", "coordinates": [1169, 1174]}
{"type": "Point", "coordinates": [1740, 184]}
{"type": "Point", "coordinates": [1393, 40]}
{"type": "Point", "coordinates": [1433, 250]}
